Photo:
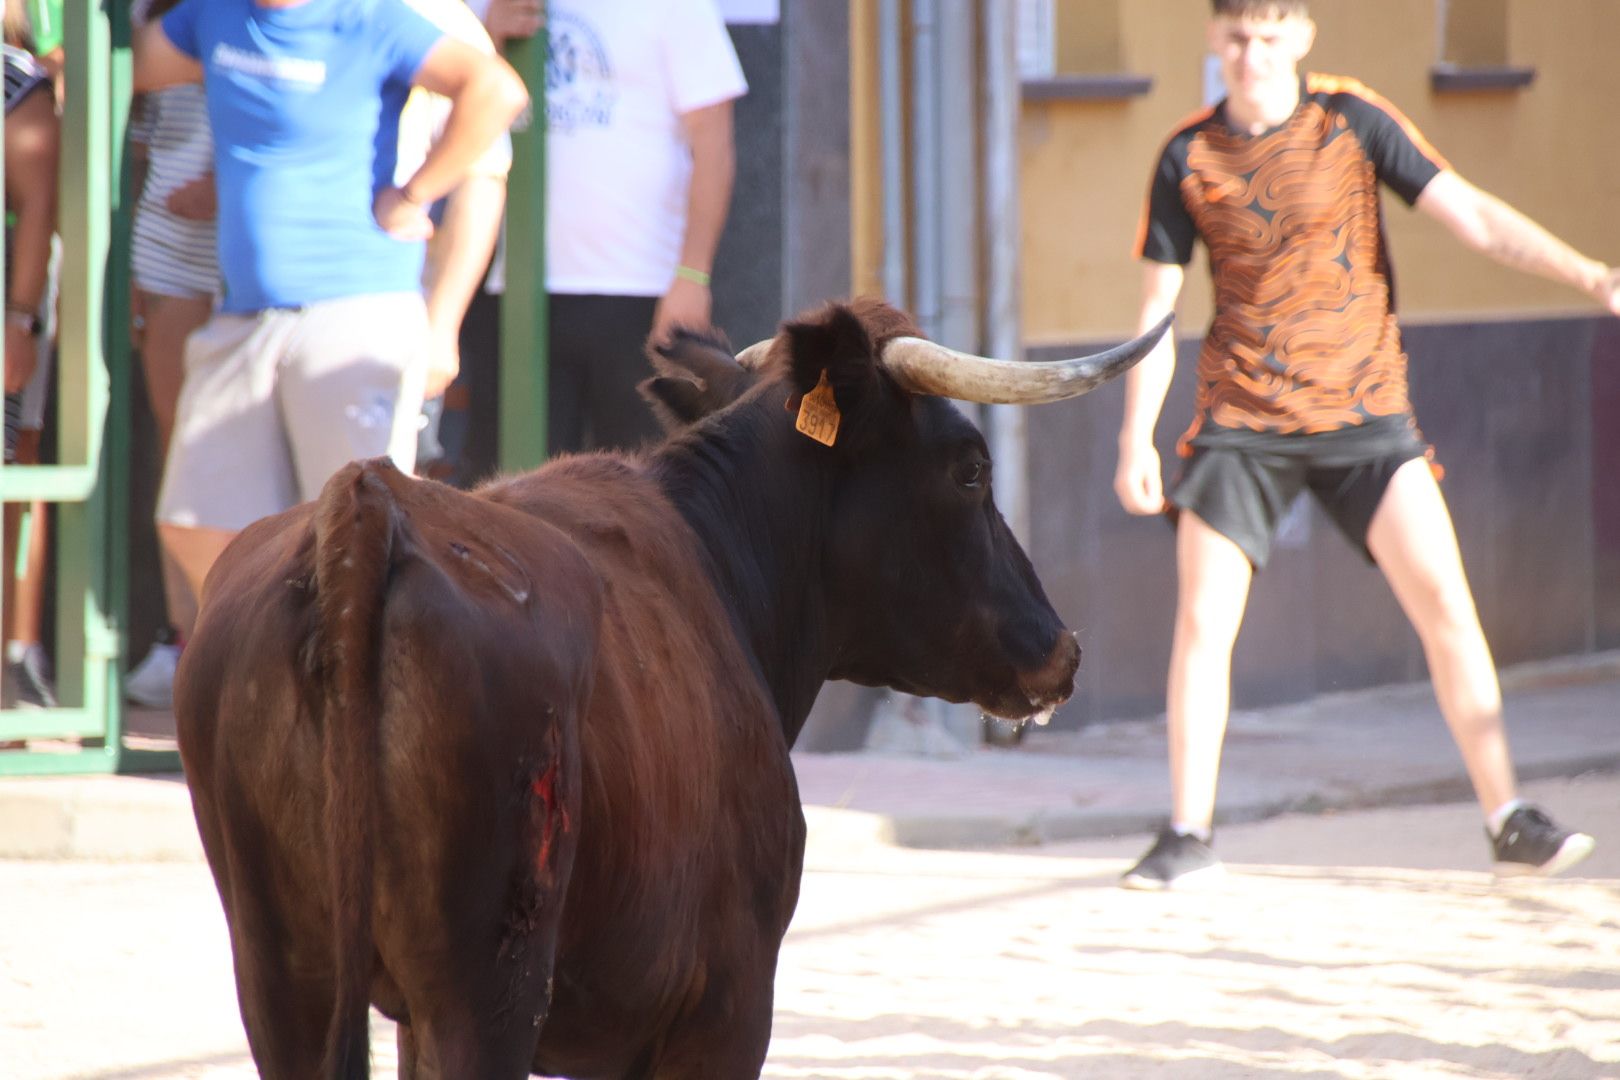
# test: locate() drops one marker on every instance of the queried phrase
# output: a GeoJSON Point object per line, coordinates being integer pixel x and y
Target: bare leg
{"type": "Point", "coordinates": [25, 621]}
{"type": "Point", "coordinates": [1416, 547]}
{"type": "Point", "coordinates": [169, 321]}
{"type": "Point", "coordinates": [25, 591]}
{"type": "Point", "coordinates": [1213, 590]}
{"type": "Point", "coordinates": [10, 519]}
{"type": "Point", "coordinates": [27, 611]}
{"type": "Point", "coordinates": [178, 598]}
{"type": "Point", "coordinates": [194, 551]}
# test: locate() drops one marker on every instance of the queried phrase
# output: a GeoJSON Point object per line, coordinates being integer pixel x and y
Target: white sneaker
{"type": "Point", "coordinates": [151, 682]}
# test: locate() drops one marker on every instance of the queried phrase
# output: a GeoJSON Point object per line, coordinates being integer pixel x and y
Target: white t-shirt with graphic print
{"type": "Point", "coordinates": [619, 75]}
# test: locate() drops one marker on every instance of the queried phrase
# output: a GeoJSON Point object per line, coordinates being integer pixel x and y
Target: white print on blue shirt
{"type": "Point", "coordinates": [287, 70]}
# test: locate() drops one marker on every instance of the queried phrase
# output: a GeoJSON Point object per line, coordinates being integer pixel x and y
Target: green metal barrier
{"type": "Point", "coordinates": [90, 487]}
{"type": "Point", "coordinates": [524, 307]}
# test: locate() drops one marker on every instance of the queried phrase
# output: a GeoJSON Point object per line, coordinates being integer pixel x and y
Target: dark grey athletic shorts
{"type": "Point", "coordinates": [1243, 490]}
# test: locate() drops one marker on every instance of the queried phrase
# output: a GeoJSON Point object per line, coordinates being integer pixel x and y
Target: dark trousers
{"type": "Point", "coordinates": [595, 358]}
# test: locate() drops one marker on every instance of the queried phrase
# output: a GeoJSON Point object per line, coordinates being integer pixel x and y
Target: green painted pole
{"type": "Point", "coordinates": [82, 543]}
{"type": "Point", "coordinates": [108, 644]}
{"type": "Point", "coordinates": [524, 307]}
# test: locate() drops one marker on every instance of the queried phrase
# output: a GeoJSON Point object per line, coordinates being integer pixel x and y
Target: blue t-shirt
{"type": "Point", "coordinates": [304, 103]}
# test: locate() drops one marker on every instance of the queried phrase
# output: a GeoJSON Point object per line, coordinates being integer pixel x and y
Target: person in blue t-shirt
{"type": "Point", "coordinates": [317, 353]}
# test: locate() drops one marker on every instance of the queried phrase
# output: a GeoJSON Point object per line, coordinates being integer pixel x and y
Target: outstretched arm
{"type": "Point", "coordinates": [1138, 481]}
{"type": "Point", "coordinates": [1492, 227]}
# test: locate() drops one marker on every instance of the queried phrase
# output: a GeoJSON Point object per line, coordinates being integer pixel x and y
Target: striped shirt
{"type": "Point", "coordinates": [24, 75]}
{"type": "Point", "coordinates": [171, 255]}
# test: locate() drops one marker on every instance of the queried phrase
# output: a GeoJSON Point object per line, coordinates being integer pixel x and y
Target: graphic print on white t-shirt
{"type": "Point", "coordinates": [580, 88]}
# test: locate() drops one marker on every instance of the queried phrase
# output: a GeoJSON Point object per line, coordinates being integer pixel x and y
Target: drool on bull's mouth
{"type": "Point", "coordinates": [1037, 692]}
{"type": "Point", "coordinates": [1017, 704]}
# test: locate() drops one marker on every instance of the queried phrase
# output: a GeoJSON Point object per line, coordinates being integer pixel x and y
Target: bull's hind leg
{"type": "Point", "coordinates": [453, 1050]}
{"type": "Point", "coordinates": [405, 1047]}
{"type": "Point", "coordinates": [726, 1038]}
{"type": "Point", "coordinates": [472, 960]}
{"type": "Point", "coordinates": [284, 987]}
{"type": "Point", "coordinates": [280, 953]}
{"type": "Point", "coordinates": [473, 1020]}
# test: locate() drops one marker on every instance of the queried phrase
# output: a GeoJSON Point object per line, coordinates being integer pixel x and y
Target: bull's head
{"type": "Point", "coordinates": [927, 590]}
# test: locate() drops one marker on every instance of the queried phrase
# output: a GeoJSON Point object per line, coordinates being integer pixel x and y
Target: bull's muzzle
{"type": "Point", "coordinates": [1052, 683]}
{"type": "Point", "coordinates": [1041, 690]}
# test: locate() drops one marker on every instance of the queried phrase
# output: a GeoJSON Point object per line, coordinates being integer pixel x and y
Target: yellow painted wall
{"type": "Point", "coordinates": [1551, 150]}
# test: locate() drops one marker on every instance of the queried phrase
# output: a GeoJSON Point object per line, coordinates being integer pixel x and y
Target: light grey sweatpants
{"type": "Point", "coordinates": [275, 402]}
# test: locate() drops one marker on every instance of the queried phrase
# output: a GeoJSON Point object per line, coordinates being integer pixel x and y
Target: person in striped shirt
{"type": "Point", "coordinates": [174, 270]}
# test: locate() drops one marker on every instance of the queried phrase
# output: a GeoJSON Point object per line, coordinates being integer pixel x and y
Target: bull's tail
{"type": "Point", "coordinates": [354, 540]}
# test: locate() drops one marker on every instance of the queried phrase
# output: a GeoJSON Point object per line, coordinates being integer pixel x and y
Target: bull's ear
{"type": "Point", "coordinates": [837, 343]}
{"type": "Point", "coordinates": [696, 376]}
{"type": "Point", "coordinates": [676, 402]}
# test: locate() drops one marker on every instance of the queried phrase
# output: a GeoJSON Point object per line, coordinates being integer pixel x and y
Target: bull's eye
{"type": "Point", "coordinates": [971, 473]}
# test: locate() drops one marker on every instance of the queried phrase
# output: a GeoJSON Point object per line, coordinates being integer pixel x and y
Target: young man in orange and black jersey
{"type": "Point", "coordinates": [1301, 384]}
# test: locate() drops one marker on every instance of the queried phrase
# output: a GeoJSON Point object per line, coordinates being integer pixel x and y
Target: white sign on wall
{"type": "Point", "coordinates": [750, 11]}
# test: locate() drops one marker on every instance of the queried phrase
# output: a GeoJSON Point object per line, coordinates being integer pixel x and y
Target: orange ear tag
{"type": "Point", "coordinates": [818, 413]}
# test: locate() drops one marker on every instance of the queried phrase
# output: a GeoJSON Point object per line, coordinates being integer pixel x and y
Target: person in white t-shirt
{"type": "Point", "coordinates": [639, 167]}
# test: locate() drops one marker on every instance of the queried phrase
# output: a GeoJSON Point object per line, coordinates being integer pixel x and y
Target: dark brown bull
{"type": "Point", "coordinates": [513, 765]}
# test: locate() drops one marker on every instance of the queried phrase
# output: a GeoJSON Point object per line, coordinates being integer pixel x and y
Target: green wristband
{"type": "Point", "coordinates": [696, 276]}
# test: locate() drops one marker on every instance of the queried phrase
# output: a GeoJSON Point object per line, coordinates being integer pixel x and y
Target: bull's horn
{"type": "Point", "coordinates": [928, 368]}
{"type": "Point", "coordinates": [754, 355]}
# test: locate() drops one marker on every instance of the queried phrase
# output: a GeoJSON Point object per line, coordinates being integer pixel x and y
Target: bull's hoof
{"type": "Point", "coordinates": [1002, 732]}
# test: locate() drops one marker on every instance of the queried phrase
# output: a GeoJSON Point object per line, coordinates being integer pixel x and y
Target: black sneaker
{"type": "Point", "coordinates": [1532, 843]}
{"type": "Point", "coordinates": [1174, 861]}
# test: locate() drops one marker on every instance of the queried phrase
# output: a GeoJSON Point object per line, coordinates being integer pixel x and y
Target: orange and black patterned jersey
{"type": "Point", "coordinates": [1303, 339]}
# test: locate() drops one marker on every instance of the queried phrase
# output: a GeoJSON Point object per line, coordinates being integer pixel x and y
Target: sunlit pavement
{"type": "Point", "coordinates": [1364, 944]}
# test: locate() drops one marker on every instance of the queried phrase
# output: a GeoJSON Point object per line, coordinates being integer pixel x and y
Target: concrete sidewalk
{"type": "Point", "coordinates": [1363, 749]}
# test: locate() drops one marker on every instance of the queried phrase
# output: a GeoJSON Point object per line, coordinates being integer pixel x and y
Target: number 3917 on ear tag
{"type": "Point", "coordinates": [818, 413]}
